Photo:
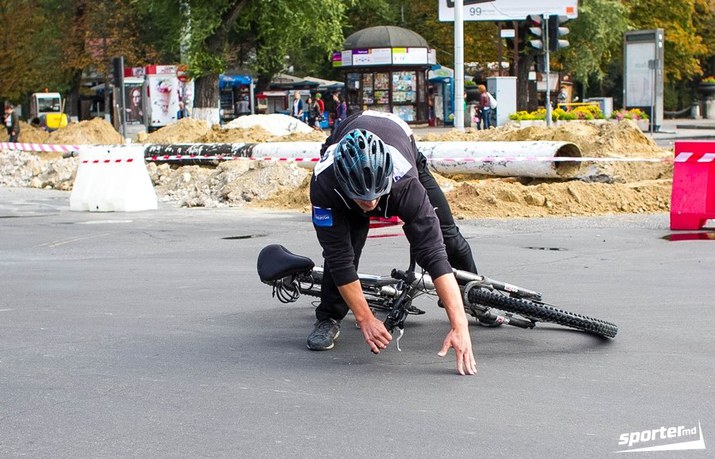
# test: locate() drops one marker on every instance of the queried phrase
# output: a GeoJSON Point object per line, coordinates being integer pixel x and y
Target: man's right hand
{"type": "Point", "coordinates": [375, 334]}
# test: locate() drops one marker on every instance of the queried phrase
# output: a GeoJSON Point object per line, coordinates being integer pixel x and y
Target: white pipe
{"type": "Point", "coordinates": [505, 159]}
{"type": "Point", "coordinates": [510, 159]}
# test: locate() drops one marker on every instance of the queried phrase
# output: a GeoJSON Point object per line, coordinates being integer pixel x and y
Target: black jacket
{"type": "Point", "coordinates": [407, 199]}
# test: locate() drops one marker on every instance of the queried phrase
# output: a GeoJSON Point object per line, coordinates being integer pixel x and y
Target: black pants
{"type": "Point", "coordinates": [459, 254]}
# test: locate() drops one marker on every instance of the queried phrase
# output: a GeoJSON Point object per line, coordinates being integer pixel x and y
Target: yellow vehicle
{"type": "Point", "coordinates": [47, 110]}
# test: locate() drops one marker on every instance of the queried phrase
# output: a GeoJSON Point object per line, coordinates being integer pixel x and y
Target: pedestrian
{"type": "Point", "coordinates": [485, 109]}
{"type": "Point", "coordinates": [297, 107]}
{"type": "Point", "coordinates": [12, 123]}
{"type": "Point", "coordinates": [341, 109]}
{"type": "Point", "coordinates": [183, 112]}
{"type": "Point", "coordinates": [321, 109]}
{"type": "Point", "coordinates": [316, 110]}
{"type": "Point", "coordinates": [308, 117]}
{"type": "Point", "coordinates": [370, 166]}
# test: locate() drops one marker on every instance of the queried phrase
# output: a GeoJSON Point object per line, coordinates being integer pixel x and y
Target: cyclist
{"type": "Point", "coordinates": [370, 166]}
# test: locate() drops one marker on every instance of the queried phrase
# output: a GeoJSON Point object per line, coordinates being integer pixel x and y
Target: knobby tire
{"type": "Point", "coordinates": [543, 312]}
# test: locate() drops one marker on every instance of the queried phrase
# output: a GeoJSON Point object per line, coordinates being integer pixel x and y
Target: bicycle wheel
{"type": "Point", "coordinates": [539, 311]}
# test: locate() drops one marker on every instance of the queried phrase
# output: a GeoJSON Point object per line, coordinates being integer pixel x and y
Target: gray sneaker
{"type": "Point", "coordinates": [324, 335]}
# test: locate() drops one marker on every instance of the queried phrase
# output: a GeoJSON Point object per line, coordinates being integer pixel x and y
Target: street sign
{"type": "Point", "coordinates": [507, 10]}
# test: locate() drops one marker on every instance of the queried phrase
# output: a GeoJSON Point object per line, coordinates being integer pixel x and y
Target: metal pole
{"type": "Point", "coordinates": [547, 66]}
{"type": "Point", "coordinates": [122, 105]}
{"type": "Point", "coordinates": [459, 64]}
{"type": "Point", "coordinates": [499, 44]}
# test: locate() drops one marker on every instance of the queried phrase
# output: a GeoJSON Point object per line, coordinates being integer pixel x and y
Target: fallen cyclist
{"type": "Point", "coordinates": [370, 166]}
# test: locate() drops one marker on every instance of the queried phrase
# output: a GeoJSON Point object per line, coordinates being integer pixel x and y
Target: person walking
{"type": "Point", "coordinates": [12, 123]}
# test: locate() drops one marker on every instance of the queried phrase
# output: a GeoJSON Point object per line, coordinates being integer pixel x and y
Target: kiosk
{"type": "Point", "coordinates": [386, 70]}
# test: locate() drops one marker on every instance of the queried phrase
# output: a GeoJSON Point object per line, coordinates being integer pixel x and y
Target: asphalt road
{"type": "Point", "coordinates": [149, 335]}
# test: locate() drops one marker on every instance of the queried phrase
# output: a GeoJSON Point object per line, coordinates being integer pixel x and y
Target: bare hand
{"type": "Point", "coordinates": [375, 334]}
{"type": "Point", "coordinates": [462, 344]}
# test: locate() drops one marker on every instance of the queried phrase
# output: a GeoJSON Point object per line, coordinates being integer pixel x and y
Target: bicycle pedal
{"type": "Point", "coordinates": [415, 310]}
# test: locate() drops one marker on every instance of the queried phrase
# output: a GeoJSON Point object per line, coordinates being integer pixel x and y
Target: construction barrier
{"type": "Point", "coordinates": [112, 179]}
{"type": "Point", "coordinates": [692, 200]}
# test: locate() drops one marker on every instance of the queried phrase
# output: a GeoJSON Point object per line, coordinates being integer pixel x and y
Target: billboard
{"type": "Point", "coordinates": [507, 10]}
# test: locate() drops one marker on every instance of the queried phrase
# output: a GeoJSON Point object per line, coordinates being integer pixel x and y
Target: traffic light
{"type": "Point", "coordinates": [556, 31]}
{"type": "Point", "coordinates": [537, 34]}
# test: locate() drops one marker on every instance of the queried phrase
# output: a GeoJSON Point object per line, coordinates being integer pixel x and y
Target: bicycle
{"type": "Point", "coordinates": [489, 301]}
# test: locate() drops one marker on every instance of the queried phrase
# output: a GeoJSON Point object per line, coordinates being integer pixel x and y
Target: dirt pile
{"type": "Point", "coordinates": [28, 134]}
{"type": "Point", "coordinates": [596, 139]}
{"type": "Point", "coordinates": [91, 132]}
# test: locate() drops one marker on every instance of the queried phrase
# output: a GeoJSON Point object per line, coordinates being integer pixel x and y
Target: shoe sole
{"type": "Point", "coordinates": [325, 348]}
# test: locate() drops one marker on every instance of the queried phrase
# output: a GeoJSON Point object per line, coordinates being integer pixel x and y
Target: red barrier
{"type": "Point", "coordinates": [692, 201]}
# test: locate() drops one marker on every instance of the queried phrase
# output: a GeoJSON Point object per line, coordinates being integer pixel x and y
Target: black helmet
{"type": "Point", "coordinates": [363, 166]}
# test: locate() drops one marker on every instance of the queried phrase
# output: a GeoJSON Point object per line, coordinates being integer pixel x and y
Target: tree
{"type": "Point", "coordinates": [22, 68]}
{"type": "Point", "coordinates": [596, 38]}
{"type": "Point", "coordinates": [253, 34]}
{"type": "Point", "coordinates": [704, 22]}
{"type": "Point", "coordinates": [683, 46]}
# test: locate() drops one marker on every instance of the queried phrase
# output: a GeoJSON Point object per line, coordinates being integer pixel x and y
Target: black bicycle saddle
{"type": "Point", "coordinates": [276, 262]}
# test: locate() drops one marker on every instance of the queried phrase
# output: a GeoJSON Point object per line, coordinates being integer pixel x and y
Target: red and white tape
{"type": "Point", "coordinates": [39, 147]}
{"type": "Point", "coordinates": [108, 161]}
{"type": "Point", "coordinates": [681, 157]}
{"type": "Point", "coordinates": [484, 159]}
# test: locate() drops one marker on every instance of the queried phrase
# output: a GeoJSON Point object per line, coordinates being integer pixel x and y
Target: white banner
{"type": "Point", "coordinates": [507, 10]}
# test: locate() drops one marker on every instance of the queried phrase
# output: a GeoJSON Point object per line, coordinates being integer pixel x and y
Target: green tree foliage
{"type": "Point", "coordinates": [26, 62]}
{"type": "Point", "coordinates": [683, 46]}
{"type": "Point", "coordinates": [704, 21]}
{"type": "Point", "coordinates": [596, 38]}
{"type": "Point", "coordinates": [257, 35]}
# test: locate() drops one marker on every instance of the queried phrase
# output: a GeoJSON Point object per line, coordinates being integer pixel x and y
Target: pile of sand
{"type": "Point", "coordinates": [28, 134]}
{"type": "Point", "coordinates": [262, 128]}
{"type": "Point", "coordinates": [186, 130]}
{"type": "Point", "coordinates": [91, 132]}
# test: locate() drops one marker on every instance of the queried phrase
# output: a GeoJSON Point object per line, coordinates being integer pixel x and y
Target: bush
{"type": "Point", "coordinates": [583, 112]}
{"type": "Point", "coordinates": [632, 114]}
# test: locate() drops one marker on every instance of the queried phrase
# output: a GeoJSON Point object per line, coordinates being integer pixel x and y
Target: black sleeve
{"type": "Point", "coordinates": [422, 229]}
{"type": "Point", "coordinates": [337, 246]}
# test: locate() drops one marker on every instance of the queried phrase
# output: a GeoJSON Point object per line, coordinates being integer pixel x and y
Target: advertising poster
{"type": "Point", "coordinates": [134, 103]}
{"type": "Point", "coordinates": [164, 99]}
